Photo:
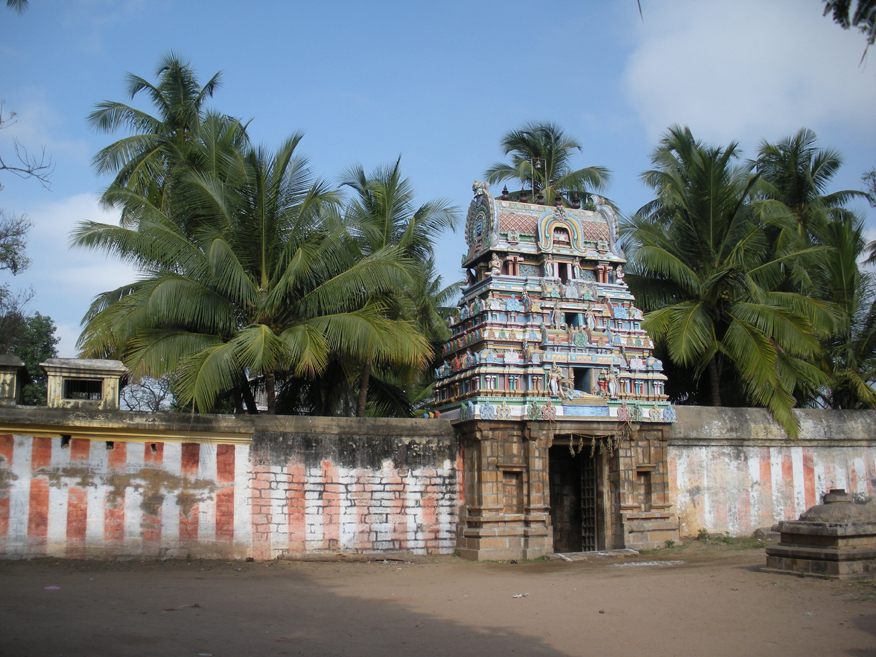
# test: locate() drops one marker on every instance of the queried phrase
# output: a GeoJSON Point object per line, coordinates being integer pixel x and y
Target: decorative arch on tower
{"type": "Point", "coordinates": [481, 226]}
{"type": "Point", "coordinates": [555, 229]}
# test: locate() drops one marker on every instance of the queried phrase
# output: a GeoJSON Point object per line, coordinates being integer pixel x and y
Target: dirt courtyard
{"type": "Point", "coordinates": [715, 602]}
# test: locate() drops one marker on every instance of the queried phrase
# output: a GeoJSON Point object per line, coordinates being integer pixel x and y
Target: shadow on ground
{"type": "Point", "coordinates": [180, 609]}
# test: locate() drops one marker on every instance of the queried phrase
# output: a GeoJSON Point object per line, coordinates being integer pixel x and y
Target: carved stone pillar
{"type": "Point", "coordinates": [506, 513]}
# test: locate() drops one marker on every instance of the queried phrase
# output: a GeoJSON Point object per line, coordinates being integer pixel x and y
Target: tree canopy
{"type": "Point", "coordinates": [541, 158]}
{"type": "Point", "coordinates": [251, 269]}
{"type": "Point", "coordinates": [705, 268]}
{"type": "Point", "coordinates": [859, 14]}
{"type": "Point", "coordinates": [30, 337]}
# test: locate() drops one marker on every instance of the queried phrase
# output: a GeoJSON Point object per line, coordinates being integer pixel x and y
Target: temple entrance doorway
{"type": "Point", "coordinates": [574, 495]}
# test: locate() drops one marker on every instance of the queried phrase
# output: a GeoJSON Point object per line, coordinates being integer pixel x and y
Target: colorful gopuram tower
{"type": "Point", "coordinates": [547, 327]}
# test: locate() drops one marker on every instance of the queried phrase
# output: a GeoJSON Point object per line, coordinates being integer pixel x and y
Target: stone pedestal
{"type": "Point", "coordinates": [834, 539]}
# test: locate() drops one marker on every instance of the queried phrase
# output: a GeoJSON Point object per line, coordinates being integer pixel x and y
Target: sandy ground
{"type": "Point", "coordinates": [714, 603]}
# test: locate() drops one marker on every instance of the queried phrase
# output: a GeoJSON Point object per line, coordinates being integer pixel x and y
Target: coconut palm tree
{"type": "Point", "coordinates": [433, 304]}
{"type": "Point", "coordinates": [395, 389]}
{"type": "Point", "coordinates": [158, 145]}
{"type": "Point", "coordinates": [541, 158]}
{"type": "Point", "coordinates": [850, 350]}
{"type": "Point", "coordinates": [704, 267]}
{"type": "Point", "coordinates": [797, 174]}
{"type": "Point", "coordinates": [794, 180]}
{"type": "Point", "coordinates": [382, 214]}
{"type": "Point", "coordinates": [862, 17]}
{"type": "Point", "coordinates": [243, 277]}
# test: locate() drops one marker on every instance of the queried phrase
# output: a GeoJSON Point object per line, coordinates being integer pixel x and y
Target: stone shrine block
{"type": "Point", "coordinates": [83, 383]}
{"type": "Point", "coordinates": [12, 373]}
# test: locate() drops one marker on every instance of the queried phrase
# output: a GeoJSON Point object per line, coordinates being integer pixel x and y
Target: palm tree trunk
{"type": "Point", "coordinates": [271, 393]}
{"type": "Point", "coordinates": [251, 407]}
{"type": "Point", "coordinates": [363, 389]}
{"type": "Point", "coordinates": [715, 381]}
{"type": "Point", "coordinates": [348, 409]}
{"type": "Point", "coordinates": [238, 400]}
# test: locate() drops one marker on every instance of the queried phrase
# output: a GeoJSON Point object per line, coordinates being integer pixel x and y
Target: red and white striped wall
{"type": "Point", "coordinates": [327, 507]}
{"type": "Point", "coordinates": [82, 498]}
{"type": "Point", "coordinates": [737, 489]}
{"type": "Point", "coordinates": [79, 497]}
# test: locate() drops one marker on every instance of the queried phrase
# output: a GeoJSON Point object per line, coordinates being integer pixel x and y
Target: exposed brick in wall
{"type": "Point", "coordinates": [297, 509]}
{"type": "Point", "coordinates": [347, 492]}
{"type": "Point", "coordinates": [266, 494]}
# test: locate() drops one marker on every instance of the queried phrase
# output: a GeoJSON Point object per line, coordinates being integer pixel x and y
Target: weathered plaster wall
{"type": "Point", "coordinates": [217, 486]}
{"type": "Point", "coordinates": [81, 484]}
{"type": "Point", "coordinates": [733, 470]}
{"type": "Point", "coordinates": [369, 491]}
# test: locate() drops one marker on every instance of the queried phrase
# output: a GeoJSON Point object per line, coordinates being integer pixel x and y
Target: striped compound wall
{"type": "Point", "coordinates": [303, 503]}
{"type": "Point", "coordinates": [81, 497]}
{"type": "Point", "coordinates": [733, 470]}
{"type": "Point", "coordinates": [75, 484]}
{"type": "Point", "coordinates": [68, 496]}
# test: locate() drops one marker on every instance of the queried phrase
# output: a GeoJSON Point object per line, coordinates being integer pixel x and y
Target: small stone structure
{"type": "Point", "coordinates": [12, 374]}
{"type": "Point", "coordinates": [834, 539]}
{"type": "Point", "coordinates": [81, 383]}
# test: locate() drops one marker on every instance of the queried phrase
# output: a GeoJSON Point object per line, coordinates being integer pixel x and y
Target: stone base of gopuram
{"type": "Point", "coordinates": [533, 488]}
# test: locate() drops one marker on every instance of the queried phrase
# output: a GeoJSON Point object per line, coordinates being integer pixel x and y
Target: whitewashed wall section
{"type": "Point", "coordinates": [734, 470]}
{"type": "Point", "coordinates": [93, 498]}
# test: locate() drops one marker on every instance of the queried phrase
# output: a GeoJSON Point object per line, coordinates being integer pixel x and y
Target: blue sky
{"type": "Point", "coordinates": [437, 83]}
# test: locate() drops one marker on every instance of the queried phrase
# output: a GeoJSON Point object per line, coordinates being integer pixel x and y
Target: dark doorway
{"type": "Point", "coordinates": [564, 270]}
{"type": "Point", "coordinates": [573, 494]}
{"type": "Point", "coordinates": [584, 379]}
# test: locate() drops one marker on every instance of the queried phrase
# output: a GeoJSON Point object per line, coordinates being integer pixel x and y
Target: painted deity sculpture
{"type": "Point", "coordinates": [554, 380]}
{"type": "Point", "coordinates": [548, 266]}
{"type": "Point", "coordinates": [495, 265]}
{"type": "Point", "coordinates": [612, 383]}
{"type": "Point", "coordinates": [576, 268]}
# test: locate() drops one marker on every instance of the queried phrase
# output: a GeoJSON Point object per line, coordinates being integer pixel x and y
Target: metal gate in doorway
{"type": "Point", "coordinates": [574, 504]}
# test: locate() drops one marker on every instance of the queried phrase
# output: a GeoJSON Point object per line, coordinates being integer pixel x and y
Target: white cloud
{"type": "Point", "coordinates": [66, 280]}
{"type": "Point", "coordinates": [53, 222]}
{"type": "Point", "coordinates": [68, 335]}
{"type": "Point", "coordinates": [33, 123]}
{"type": "Point", "coordinates": [748, 69]}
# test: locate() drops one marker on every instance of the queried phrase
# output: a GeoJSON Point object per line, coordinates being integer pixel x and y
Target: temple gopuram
{"type": "Point", "coordinates": [551, 382]}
